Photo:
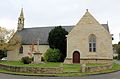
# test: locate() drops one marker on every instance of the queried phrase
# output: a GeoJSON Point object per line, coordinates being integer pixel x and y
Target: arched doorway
{"type": "Point", "coordinates": [76, 57]}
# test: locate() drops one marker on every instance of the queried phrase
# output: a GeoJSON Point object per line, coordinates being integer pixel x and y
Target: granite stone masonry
{"type": "Point", "coordinates": [95, 68]}
{"type": "Point", "coordinates": [32, 69]}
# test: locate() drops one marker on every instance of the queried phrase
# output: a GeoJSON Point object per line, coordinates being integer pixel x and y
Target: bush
{"type": "Point", "coordinates": [26, 60]}
{"type": "Point", "coordinates": [52, 55]}
{"type": "Point", "coordinates": [57, 39]}
{"type": "Point", "coordinates": [3, 54]}
{"type": "Point", "coordinates": [32, 58]}
{"type": "Point", "coordinates": [115, 57]}
{"type": "Point", "coordinates": [42, 59]}
{"type": "Point", "coordinates": [118, 51]}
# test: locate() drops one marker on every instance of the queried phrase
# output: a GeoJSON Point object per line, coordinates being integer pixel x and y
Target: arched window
{"type": "Point", "coordinates": [92, 43]}
{"type": "Point", "coordinates": [21, 49]}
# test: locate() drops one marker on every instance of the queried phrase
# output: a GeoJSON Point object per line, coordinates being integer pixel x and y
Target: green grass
{"type": "Point", "coordinates": [115, 67]}
{"type": "Point", "coordinates": [71, 67]}
{"type": "Point", "coordinates": [67, 67]}
{"type": "Point", "coordinates": [16, 63]}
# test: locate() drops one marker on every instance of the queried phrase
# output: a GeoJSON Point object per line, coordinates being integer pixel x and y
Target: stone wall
{"type": "Point", "coordinates": [78, 39]}
{"type": "Point", "coordinates": [102, 61]}
{"type": "Point", "coordinates": [16, 56]}
{"type": "Point", "coordinates": [85, 61]}
{"type": "Point", "coordinates": [32, 69]}
{"type": "Point", "coordinates": [85, 68]}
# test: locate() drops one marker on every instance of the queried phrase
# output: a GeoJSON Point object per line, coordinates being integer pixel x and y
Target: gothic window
{"type": "Point", "coordinates": [21, 50]}
{"type": "Point", "coordinates": [92, 43]}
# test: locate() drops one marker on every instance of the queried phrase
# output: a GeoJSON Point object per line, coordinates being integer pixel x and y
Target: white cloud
{"type": "Point", "coordinates": [60, 12]}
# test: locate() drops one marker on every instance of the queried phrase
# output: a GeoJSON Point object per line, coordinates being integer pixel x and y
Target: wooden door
{"type": "Point", "coordinates": [76, 57]}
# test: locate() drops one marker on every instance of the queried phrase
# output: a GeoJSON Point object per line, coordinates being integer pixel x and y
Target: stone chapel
{"type": "Point", "coordinates": [87, 42]}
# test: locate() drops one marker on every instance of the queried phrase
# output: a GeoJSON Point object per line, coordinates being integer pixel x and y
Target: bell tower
{"type": "Point", "coordinates": [21, 21]}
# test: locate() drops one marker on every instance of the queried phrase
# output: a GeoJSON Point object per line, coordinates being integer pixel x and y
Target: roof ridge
{"type": "Point", "coordinates": [49, 27]}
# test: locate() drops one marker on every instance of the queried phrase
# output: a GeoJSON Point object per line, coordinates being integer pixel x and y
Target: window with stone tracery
{"type": "Point", "coordinates": [92, 43]}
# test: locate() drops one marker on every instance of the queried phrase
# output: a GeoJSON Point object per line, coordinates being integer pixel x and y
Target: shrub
{"type": "Point", "coordinates": [26, 60]}
{"type": "Point", "coordinates": [57, 39]}
{"type": "Point", "coordinates": [32, 58]}
{"type": "Point", "coordinates": [118, 51]}
{"type": "Point", "coordinates": [115, 57]}
{"type": "Point", "coordinates": [3, 54]}
{"type": "Point", "coordinates": [52, 55]}
{"type": "Point", "coordinates": [42, 59]}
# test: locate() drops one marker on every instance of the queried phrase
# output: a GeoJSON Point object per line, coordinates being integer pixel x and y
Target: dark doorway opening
{"type": "Point", "coordinates": [76, 57]}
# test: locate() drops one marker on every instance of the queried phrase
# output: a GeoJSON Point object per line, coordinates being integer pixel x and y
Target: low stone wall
{"type": "Point", "coordinates": [32, 69]}
{"type": "Point", "coordinates": [85, 61]}
{"type": "Point", "coordinates": [95, 68]}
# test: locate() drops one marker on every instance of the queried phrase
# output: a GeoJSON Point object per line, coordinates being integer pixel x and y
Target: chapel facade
{"type": "Point", "coordinates": [87, 42]}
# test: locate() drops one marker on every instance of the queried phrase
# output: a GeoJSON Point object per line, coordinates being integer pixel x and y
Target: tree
{"type": "Point", "coordinates": [119, 42]}
{"type": "Point", "coordinates": [3, 54]}
{"type": "Point", "coordinates": [52, 55]}
{"type": "Point", "coordinates": [118, 50]}
{"type": "Point", "coordinates": [5, 43]}
{"type": "Point", "coordinates": [57, 39]}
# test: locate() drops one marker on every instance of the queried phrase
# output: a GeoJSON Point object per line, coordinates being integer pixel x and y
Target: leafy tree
{"type": "Point", "coordinates": [5, 34]}
{"type": "Point", "coordinates": [115, 48]}
{"type": "Point", "coordinates": [119, 42]}
{"type": "Point", "coordinates": [5, 44]}
{"type": "Point", "coordinates": [8, 39]}
{"type": "Point", "coordinates": [118, 50]}
{"type": "Point", "coordinates": [52, 55]}
{"type": "Point", "coordinates": [2, 54]}
{"type": "Point", "coordinates": [57, 39]}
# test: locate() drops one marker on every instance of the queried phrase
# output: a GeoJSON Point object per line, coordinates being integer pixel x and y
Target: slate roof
{"type": "Point", "coordinates": [31, 35]}
{"type": "Point", "coordinates": [106, 27]}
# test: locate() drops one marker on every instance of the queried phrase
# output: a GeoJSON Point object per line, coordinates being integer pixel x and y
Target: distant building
{"type": "Point", "coordinates": [87, 42]}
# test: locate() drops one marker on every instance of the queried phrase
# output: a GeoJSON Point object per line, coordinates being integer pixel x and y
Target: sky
{"type": "Point", "coordinates": [39, 13]}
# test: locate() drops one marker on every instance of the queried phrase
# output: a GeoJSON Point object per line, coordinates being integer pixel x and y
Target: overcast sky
{"type": "Point", "coordinates": [40, 13]}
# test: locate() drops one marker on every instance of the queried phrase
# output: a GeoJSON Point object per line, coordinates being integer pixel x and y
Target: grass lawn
{"type": "Point", "coordinates": [16, 63]}
{"type": "Point", "coordinates": [115, 67]}
{"type": "Point", "coordinates": [69, 69]}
